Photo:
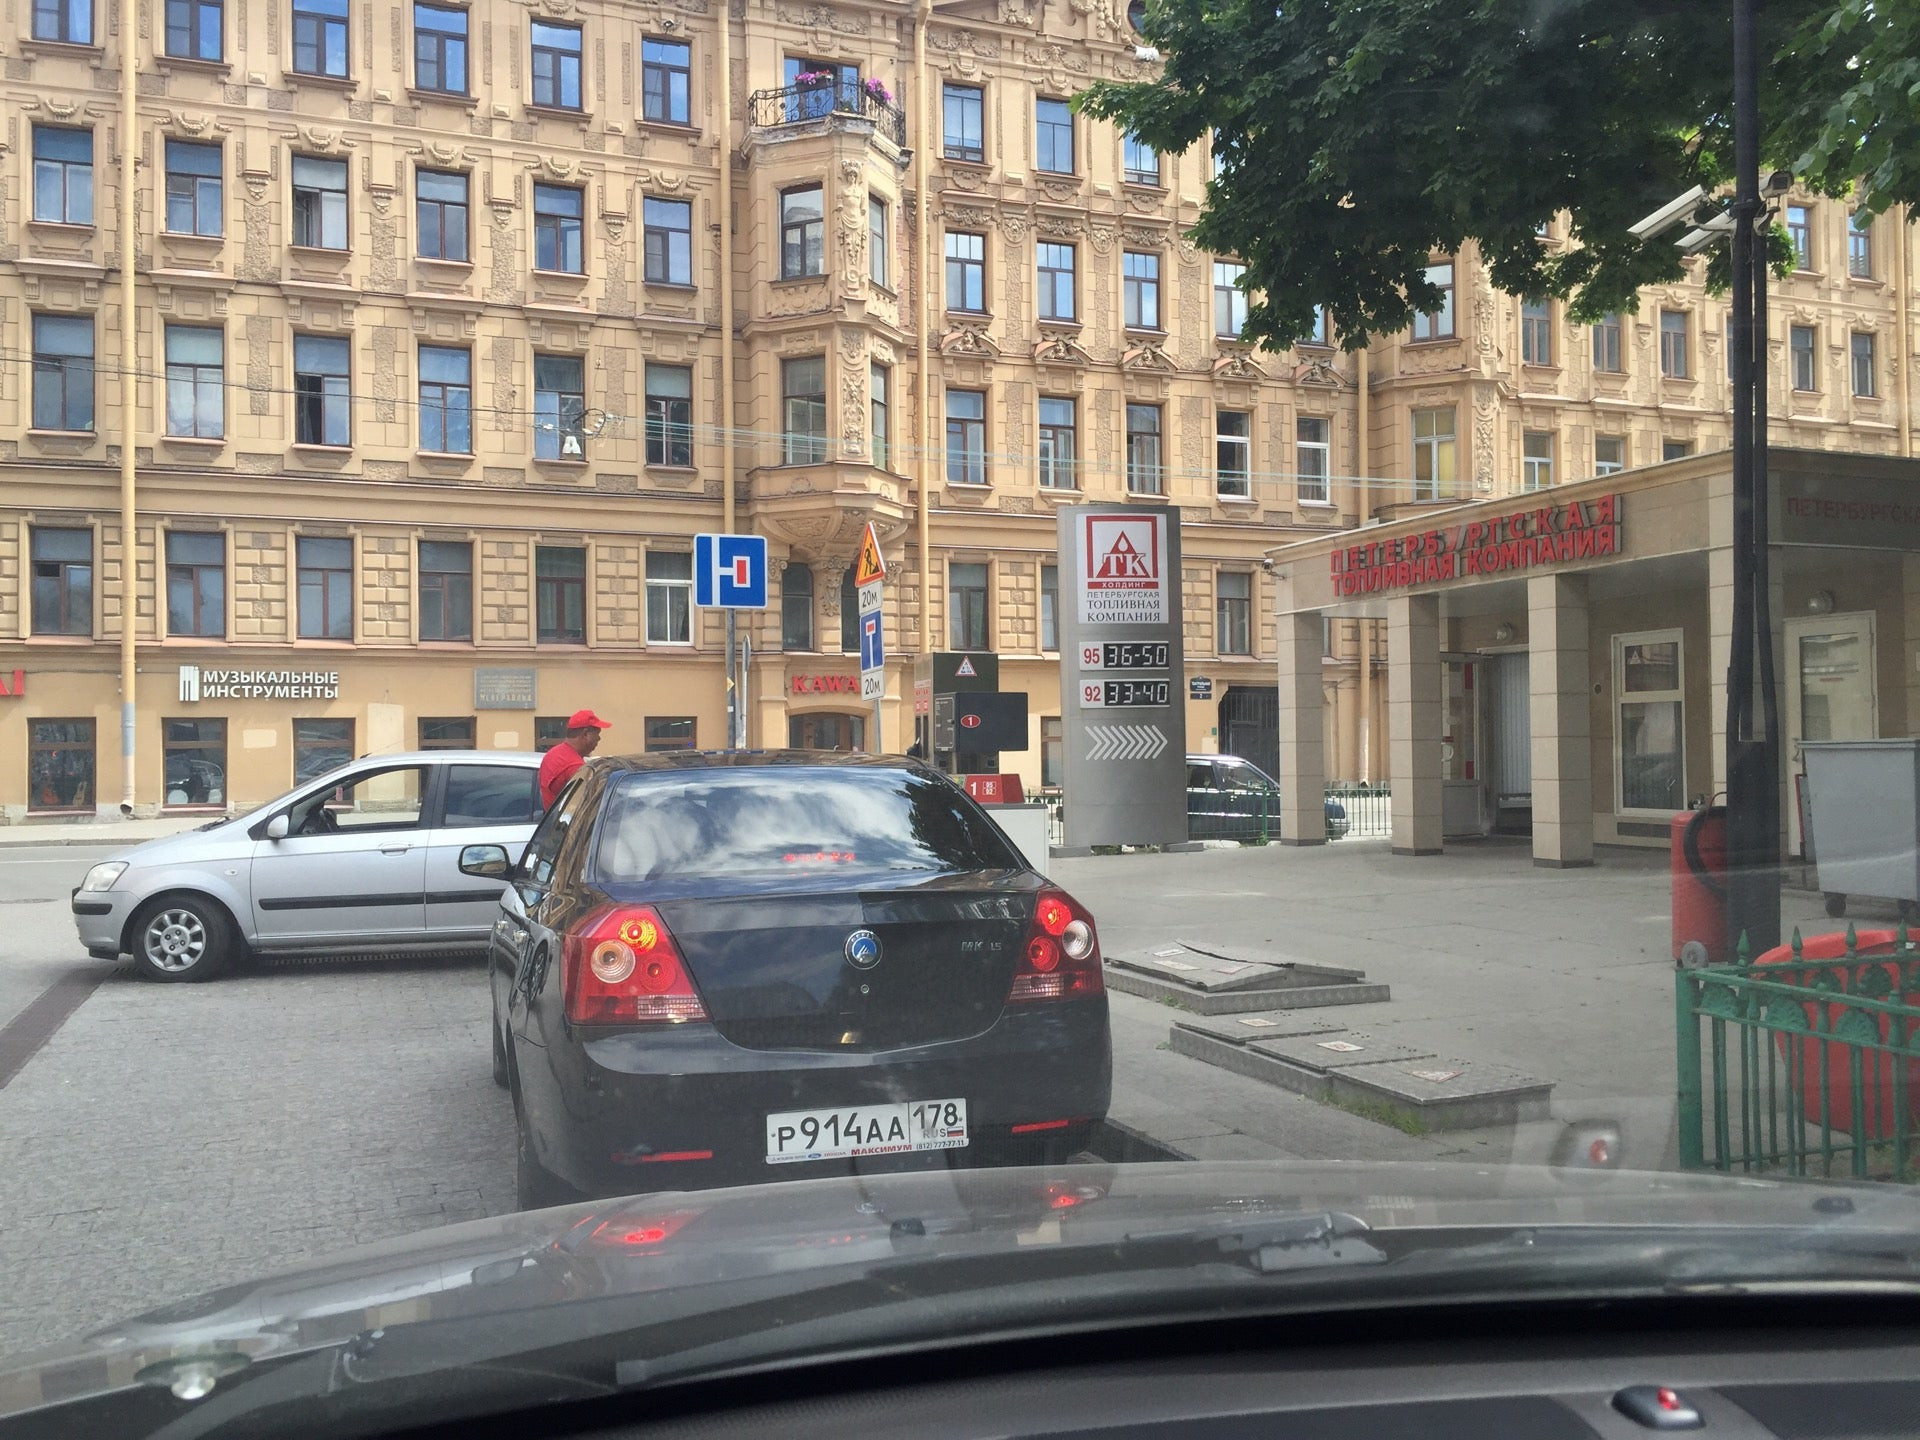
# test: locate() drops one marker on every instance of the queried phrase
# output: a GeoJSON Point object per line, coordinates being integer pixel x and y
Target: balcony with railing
{"type": "Point", "coordinates": [808, 104]}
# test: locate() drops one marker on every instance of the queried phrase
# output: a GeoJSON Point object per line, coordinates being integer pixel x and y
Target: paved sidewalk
{"type": "Point", "coordinates": [1563, 974]}
{"type": "Point", "coordinates": [98, 832]}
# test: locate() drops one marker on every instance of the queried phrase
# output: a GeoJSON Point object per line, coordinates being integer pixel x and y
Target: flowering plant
{"type": "Point", "coordinates": [879, 92]}
{"type": "Point", "coordinates": [813, 77]}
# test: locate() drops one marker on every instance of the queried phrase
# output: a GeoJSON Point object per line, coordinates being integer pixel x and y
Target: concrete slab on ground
{"type": "Point", "coordinates": [1271, 1025]}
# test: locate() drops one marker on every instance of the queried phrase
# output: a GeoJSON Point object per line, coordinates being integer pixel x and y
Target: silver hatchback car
{"type": "Point", "coordinates": [366, 857]}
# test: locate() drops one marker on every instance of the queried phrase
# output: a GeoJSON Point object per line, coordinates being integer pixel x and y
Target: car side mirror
{"type": "Point", "coordinates": [278, 826]}
{"type": "Point", "coordinates": [485, 862]}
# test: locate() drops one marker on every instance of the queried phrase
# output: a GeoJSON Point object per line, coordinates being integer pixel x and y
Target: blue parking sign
{"type": "Point", "coordinates": [730, 572]}
{"type": "Point", "coordinates": [873, 648]}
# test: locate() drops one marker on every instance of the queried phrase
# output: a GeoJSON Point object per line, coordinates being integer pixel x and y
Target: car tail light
{"type": "Point", "coordinates": [622, 968]}
{"type": "Point", "coordinates": [632, 1233]}
{"type": "Point", "coordinates": [1060, 958]}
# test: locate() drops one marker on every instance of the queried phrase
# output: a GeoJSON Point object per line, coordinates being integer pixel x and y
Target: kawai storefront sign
{"type": "Point", "coordinates": [1496, 545]}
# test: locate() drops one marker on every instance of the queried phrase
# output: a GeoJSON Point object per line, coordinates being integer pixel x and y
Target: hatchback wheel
{"type": "Point", "coordinates": [181, 938]}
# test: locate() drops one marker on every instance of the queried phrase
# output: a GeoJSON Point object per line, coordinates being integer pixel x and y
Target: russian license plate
{"type": "Point", "coordinates": [858, 1130]}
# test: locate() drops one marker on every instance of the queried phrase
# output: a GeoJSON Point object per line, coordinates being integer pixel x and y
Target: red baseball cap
{"type": "Point", "coordinates": [586, 720]}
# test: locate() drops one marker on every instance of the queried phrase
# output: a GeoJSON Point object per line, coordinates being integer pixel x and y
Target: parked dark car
{"type": "Point", "coordinates": [722, 967]}
{"type": "Point", "coordinates": [1233, 799]}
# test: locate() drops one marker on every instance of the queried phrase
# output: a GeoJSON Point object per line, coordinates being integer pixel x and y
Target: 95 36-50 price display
{"type": "Point", "coordinates": [1125, 655]}
{"type": "Point", "coordinates": [1101, 693]}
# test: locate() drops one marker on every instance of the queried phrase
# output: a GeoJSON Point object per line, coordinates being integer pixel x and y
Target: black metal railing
{"type": "Point", "coordinates": [799, 104]}
{"type": "Point", "coordinates": [1369, 811]}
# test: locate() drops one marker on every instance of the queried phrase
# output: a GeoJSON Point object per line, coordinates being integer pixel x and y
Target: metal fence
{"type": "Point", "coordinates": [797, 104]}
{"type": "Point", "coordinates": [1369, 814]}
{"type": "Point", "coordinates": [1369, 810]}
{"type": "Point", "coordinates": [1810, 1066]}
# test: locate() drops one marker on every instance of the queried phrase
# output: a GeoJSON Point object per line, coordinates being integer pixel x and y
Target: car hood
{"type": "Point", "coordinates": [217, 837]}
{"type": "Point", "coordinates": [556, 1266]}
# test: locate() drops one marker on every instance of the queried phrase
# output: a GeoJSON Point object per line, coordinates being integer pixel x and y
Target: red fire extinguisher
{"type": "Point", "coordinates": [1699, 866]}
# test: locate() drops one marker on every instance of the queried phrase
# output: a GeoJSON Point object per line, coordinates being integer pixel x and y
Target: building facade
{"type": "Point", "coordinates": [452, 325]}
{"type": "Point", "coordinates": [1493, 396]}
{"type": "Point", "coordinates": [435, 378]}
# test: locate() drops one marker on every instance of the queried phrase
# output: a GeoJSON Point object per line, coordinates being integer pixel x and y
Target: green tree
{"type": "Point", "coordinates": [1355, 138]}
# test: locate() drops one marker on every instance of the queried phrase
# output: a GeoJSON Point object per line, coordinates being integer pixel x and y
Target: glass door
{"type": "Point", "coordinates": [1462, 769]}
{"type": "Point", "coordinates": [1830, 692]}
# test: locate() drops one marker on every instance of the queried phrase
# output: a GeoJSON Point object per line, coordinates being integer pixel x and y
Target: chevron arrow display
{"type": "Point", "coordinates": [1125, 742]}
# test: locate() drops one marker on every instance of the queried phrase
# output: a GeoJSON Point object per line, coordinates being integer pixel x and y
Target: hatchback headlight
{"type": "Point", "coordinates": [104, 876]}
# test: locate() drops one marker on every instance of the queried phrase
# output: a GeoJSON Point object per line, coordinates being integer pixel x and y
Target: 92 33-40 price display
{"type": "Point", "coordinates": [1099, 694]}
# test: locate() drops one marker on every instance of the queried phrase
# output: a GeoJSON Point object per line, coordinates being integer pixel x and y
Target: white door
{"type": "Point", "coordinates": [1830, 691]}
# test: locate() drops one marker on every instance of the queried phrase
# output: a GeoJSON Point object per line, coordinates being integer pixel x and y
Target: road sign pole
{"type": "Point", "coordinates": [869, 570]}
{"type": "Point", "coordinates": [733, 691]}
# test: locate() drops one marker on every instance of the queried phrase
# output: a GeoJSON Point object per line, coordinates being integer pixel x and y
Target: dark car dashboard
{"type": "Point", "coordinates": [1593, 1374]}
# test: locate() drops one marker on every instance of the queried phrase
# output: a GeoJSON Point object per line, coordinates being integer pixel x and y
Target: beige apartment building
{"type": "Point", "coordinates": [452, 325]}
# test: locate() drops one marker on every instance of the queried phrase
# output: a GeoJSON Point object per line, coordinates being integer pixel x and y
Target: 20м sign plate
{"type": "Point", "coordinates": [864, 1130]}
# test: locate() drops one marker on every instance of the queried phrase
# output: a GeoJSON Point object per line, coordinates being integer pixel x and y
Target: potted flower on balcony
{"type": "Point", "coordinates": [878, 92]}
{"type": "Point", "coordinates": [813, 79]}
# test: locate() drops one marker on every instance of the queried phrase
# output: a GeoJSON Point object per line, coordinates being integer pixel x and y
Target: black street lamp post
{"type": "Point", "coordinates": [1752, 739]}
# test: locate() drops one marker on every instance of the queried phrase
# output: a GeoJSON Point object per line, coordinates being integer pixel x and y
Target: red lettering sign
{"type": "Point", "coordinates": [1549, 535]}
{"type": "Point", "coordinates": [824, 684]}
{"type": "Point", "coordinates": [17, 689]}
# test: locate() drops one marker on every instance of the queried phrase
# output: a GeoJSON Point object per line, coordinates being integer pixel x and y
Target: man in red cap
{"type": "Point", "coordinates": [583, 738]}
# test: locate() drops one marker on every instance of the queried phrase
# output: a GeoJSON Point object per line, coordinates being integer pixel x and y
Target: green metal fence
{"type": "Point", "coordinates": [1807, 1067]}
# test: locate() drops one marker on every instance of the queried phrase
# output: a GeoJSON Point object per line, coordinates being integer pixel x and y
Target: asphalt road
{"type": "Point", "coordinates": [38, 947]}
{"type": "Point", "coordinates": [171, 1138]}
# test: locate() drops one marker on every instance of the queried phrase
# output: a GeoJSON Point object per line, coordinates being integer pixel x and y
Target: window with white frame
{"type": "Point", "coordinates": [1140, 162]}
{"type": "Point", "coordinates": [1140, 290]}
{"type": "Point", "coordinates": [1536, 332]}
{"type": "Point", "coordinates": [1229, 300]}
{"type": "Point", "coordinates": [669, 597]}
{"type": "Point", "coordinates": [1233, 612]}
{"type": "Point", "coordinates": [1606, 343]}
{"type": "Point", "coordinates": [1313, 458]}
{"type": "Point", "coordinates": [1860, 245]}
{"type": "Point", "coordinates": [1864, 382]}
{"type": "Point", "coordinates": [1536, 460]}
{"type": "Point", "coordinates": [1437, 323]}
{"type": "Point", "coordinates": [1649, 722]}
{"type": "Point", "coordinates": [1056, 269]}
{"type": "Point", "coordinates": [1609, 454]}
{"type": "Point", "coordinates": [1144, 476]}
{"type": "Point", "coordinates": [1800, 351]}
{"type": "Point", "coordinates": [1433, 453]}
{"type": "Point", "coordinates": [1058, 434]}
{"type": "Point", "coordinates": [1233, 453]}
{"type": "Point", "coordinates": [878, 268]}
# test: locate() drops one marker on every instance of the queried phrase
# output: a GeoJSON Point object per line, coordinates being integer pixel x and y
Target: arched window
{"type": "Point", "coordinates": [796, 608]}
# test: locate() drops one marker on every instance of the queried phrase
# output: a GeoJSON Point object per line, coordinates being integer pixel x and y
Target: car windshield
{"type": "Point", "coordinates": [806, 640]}
{"type": "Point", "coordinates": [842, 824]}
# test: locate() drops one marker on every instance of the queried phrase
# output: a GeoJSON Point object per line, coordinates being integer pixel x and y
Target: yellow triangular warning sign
{"type": "Point", "coordinates": [871, 567]}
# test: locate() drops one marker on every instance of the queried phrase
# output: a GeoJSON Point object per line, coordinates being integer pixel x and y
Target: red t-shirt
{"type": "Point", "coordinates": [556, 768]}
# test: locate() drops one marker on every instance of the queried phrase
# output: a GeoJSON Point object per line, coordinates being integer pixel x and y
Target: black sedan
{"type": "Point", "coordinates": [735, 966]}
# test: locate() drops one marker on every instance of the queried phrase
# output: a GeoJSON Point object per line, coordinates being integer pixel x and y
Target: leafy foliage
{"type": "Point", "coordinates": [1357, 138]}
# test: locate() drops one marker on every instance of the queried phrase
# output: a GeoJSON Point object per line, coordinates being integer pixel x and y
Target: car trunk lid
{"type": "Point", "coordinates": [869, 965]}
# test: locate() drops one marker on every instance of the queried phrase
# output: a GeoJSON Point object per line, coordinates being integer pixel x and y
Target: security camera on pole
{"type": "Point", "coordinates": [869, 573]}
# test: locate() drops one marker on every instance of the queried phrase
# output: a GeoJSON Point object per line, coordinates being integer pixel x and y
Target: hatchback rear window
{"type": "Point", "coordinates": [688, 825]}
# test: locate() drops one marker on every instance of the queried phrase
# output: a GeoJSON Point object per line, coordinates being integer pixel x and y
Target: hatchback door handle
{"type": "Point", "coordinates": [395, 849]}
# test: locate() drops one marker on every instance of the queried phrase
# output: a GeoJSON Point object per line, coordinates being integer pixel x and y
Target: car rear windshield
{"type": "Point", "coordinates": [682, 825]}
